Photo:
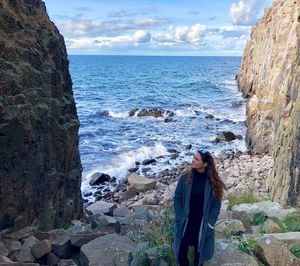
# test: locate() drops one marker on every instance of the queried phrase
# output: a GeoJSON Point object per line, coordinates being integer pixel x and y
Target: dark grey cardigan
{"type": "Point", "coordinates": [211, 210]}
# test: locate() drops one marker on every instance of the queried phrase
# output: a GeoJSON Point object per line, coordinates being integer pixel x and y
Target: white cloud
{"type": "Point", "coordinates": [246, 11]}
{"type": "Point", "coordinates": [138, 37]}
{"type": "Point", "coordinates": [196, 37]}
{"type": "Point", "coordinates": [118, 13]}
{"type": "Point", "coordinates": [91, 28]}
{"type": "Point", "coordinates": [141, 36]}
{"type": "Point", "coordinates": [182, 34]}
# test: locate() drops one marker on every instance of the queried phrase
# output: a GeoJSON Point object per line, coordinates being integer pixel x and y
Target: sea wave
{"type": "Point", "coordinates": [126, 160]}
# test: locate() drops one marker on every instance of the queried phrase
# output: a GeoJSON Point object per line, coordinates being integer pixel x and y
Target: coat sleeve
{"type": "Point", "coordinates": [178, 199]}
{"type": "Point", "coordinates": [214, 212]}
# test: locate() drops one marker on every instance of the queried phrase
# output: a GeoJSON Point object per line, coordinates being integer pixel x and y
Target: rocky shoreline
{"type": "Point", "coordinates": [122, 218]}
{"type": "Point", "coordinates": [242, 172]}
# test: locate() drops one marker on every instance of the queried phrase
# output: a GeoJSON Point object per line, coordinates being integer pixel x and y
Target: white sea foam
{"type": "Point", "coordinates": [116, 114]}
{"type": "Point", "coordinates": [120, 165]}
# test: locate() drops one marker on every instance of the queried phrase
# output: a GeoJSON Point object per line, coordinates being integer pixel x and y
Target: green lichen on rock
{"type": "Point", "coordinates": [40, 168]}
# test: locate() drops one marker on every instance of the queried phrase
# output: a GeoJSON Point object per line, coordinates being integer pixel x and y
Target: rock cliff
{"type": "Point", "coordinates": [40, 168]}
{"type": "Point", "coordinates": [269, 78]}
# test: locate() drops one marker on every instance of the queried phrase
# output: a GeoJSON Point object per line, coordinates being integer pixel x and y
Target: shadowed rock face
{"type": "Point", "coordinates": [40, 168]}
{"type": "Point", "coordinates": [269, 78]}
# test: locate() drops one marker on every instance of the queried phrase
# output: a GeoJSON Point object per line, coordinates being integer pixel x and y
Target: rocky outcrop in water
{"type": "Point", "coordinates": [40, 168]}
{"type": "Point", "coordinates": [269, 78]}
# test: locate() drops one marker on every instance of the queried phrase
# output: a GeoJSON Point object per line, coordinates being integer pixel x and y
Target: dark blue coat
{"type": "Point", "coordinates": [211, 210]}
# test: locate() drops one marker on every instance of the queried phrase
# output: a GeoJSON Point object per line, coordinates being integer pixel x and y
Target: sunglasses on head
{"type": "Point", "coordinates": [203, 151]}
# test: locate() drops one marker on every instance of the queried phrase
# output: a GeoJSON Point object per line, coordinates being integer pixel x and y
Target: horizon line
{"type": "Point", "coordinates": [156, 55]}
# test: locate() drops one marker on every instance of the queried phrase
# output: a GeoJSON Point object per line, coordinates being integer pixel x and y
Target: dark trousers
{"type": "Point", "coordinates": [183, 252]}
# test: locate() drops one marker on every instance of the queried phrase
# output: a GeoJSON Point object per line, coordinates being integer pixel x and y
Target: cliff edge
{"type": "Point", "coordinates": [269, 79]}
{"type": "Point", "coordinates": [40, 167]}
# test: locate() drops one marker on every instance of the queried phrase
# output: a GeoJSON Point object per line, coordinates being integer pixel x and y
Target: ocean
{"type": "Point", "coordinates": [200, 92]}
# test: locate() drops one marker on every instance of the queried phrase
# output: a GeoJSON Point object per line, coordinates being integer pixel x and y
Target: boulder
{"type": "Point", "coordinates": [66, 263]}
{"type": "Point", "coordinates": [289, 238]}
{"type": "Point", "coordinates": [11, 245]}
{"type": "Point", "coordinates": [140, 183]}
{"type": "Point", "coordinates": [79, 239]}
{"type": "Point", "coordinates": [50, 235]}
{"type": "Point", "coordinates": [4, 259]}
{"type": "Point", "coordinates": [246, 212]}
{"type": "Point", "coordinates": [107, 250]}
{"type": "Point", "coordinates": [169, 192]}
{"type": "Point", "coordinates": [61, 246]}
{"type": "Point", "coordinates": [148, 161]}
{"type": "Point", "coordinates": [270, 227]}
{"type": "Point", "coordinates": [3, 250]}
{"type": "Point", "coordinates": [41, 248]}
{"type": "Point", "coordinates": [273, 252]}
{"type": "Point", "coordinates": [105, 222]}
{"type": "Point", "coordinates": [121, 211]}
{"type": "Point", "coordinates": [25, 254]}
{"type": "Point", "coordinates": [225, 136]}
{"type": "Point", "coordinates": [52, 259]}
{"type": "Point", "coordinates": [229, 227]}
{"type": "Point", "coordinates": [101, 207]}
{"type": "Point", "coordinates": [227, 254]}
{"type": "Point", "coordinates": [98, 178]}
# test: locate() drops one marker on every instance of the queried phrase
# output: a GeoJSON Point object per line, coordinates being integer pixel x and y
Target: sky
{"type": "Point", "coordinates": [152, 27]}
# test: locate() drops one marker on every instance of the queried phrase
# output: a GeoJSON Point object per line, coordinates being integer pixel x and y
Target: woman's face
{"type": "Point", "coordinates": [197, 162]}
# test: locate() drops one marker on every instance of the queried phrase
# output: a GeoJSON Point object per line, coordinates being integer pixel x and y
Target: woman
{"type": "Point", "coordinates": [197, 203]}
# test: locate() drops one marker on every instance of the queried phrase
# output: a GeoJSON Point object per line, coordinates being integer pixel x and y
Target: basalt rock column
{"type": "Point", "coordinates": [40, 168]}
{"type": "Point", "coordinates": [270, 79]}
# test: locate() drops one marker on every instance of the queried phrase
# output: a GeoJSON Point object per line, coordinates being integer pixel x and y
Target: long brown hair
{"type": "Point", "coordinates": [217, 184]}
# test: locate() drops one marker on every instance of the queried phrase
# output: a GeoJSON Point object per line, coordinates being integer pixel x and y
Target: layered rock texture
{"type": "Point", "coordinates": [269, 78]}
{"type": "Point", "coordinates": [40, 168]}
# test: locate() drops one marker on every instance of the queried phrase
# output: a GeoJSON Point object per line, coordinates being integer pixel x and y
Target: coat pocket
{"type": "Point", "coordinates": [209, 245]}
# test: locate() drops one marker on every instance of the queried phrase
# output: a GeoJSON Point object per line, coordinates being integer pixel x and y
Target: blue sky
{"type": "Point", "coordinates": [144, 27]}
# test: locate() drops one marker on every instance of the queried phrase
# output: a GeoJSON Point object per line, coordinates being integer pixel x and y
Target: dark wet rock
{"type": "Point", "coordinates": [137, 163]}
{"type": "Point", "coordinates": [209, 116]}
{"type": "Point", "coordinates": [52, 259]}
{"type": "Point", "coordinates": [88, 194]}
{"type": "Point", "coordinates": [169, 120]}
{"type": "Point", "coordinates": [99, 178]}
{"type": "Point", "coordinates": [148, 161]}
{"type": "Point", "coordinates": [121, 187]}
{"type": "Point", "coordinates": [146, 169]}
{"type": "Point", "coordinates": [67, 263]}
{"type": "Point", "coordinates": [173, 151]}
{"type": "Point", "coordinates": [133, 111]}
{"type": "Point", "coordinates": [240, 137]}
{"type": "Point", "coordinates": [188, 147]}
{"type": "Point", "coordinates": [237, 103]}
{"type": "Point", "coordinates": [132, 170]}
{"type": "Point", "coordinates": [112, 179]}
{"type": "Point", "coordinates": [98, 193]}
{"type": "Point", "coordinates": [102, 113]}
{"type": "Point", "coordinates": [174, 156]}
{"type": "Point", "coordinates": [154, 112]}
{"type": "Point", "coordinates": [225, 136]}
{"type": "Point", "coordinates": [189, 153]}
